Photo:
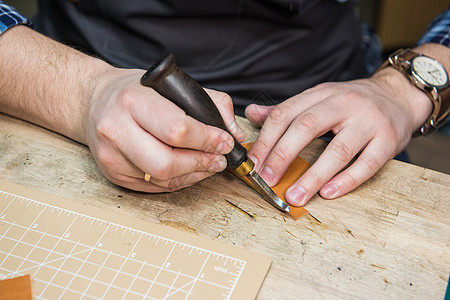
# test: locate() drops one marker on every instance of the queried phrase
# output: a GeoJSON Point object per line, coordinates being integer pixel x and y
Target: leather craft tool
{"type": "Point", "coordinates": [296, 169]}
{"type": "Point", "coordinates": [171, 82]}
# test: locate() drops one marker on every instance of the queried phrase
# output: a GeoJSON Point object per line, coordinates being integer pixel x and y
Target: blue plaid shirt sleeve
{"type": "Point", "coordinates": [9, 17]}
{"type": "Point", "coordinates": [438, 31]}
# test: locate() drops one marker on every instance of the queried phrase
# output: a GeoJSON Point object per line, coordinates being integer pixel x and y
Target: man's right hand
{"type": "Point", "coordinates": [133, 130]}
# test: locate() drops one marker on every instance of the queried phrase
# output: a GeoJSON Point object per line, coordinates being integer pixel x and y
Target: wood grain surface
{"type": "Point", "coordinates": [387, 239]}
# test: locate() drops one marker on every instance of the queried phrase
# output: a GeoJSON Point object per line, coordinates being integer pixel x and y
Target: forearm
{"type": "Point", "coordinates": [47, 83]}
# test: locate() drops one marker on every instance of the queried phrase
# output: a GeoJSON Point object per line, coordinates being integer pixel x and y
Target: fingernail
{"type": "Point", "coordinates": [295, 195]}
{"type": "Point", "coordinates": [267, 175]}
{"type": "Point", "coordinates": [219, 165]}
{"type": "Point", "coordinates": [329, 190]}
{"type": "Point", "coordinates": [224, 147]}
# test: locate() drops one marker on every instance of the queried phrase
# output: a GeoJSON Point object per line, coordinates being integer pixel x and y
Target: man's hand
{"type": "Point", "coordinates": [132, 130]}
{"type": "Point", "coordinates": [372, 120]}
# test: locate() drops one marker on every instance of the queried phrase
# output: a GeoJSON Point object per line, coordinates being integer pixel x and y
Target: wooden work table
{"type": "Point", "coordinates": [390, 238]}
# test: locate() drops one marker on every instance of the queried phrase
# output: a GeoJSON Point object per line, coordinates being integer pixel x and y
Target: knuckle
{"type": "Point", "coordinates": [126, 97]}
{"type": "Point", "coordinates": [177, 133]}
{"type": "Point", "coordinates": [280, 153]}
{"type": "Point", "coordinates": [278, 115]}
{"type": "Point", "coordinates": [225, 99]}
{"type": "Point", "coordinates": [350, 180]}
{"type": "Point", "coordinates": [315, 180]}
{"type": "Point", "coordinates": [109, 166]}
{"type": "Point", "coordinates": [260, 148]}
{"type": "Point", "coordinates": [306, 123]}
{"type": "Point", "coordinates": [163, 170]}
{"type": "Point", "coordinates": [106, 128]}
{"type": "Point", "coordinates": [342, 151]}
{"type": "Point", "coordinates": [107, 159]}
{"type": "Point", "coordinates": [221, 99]}
{"type": "Point", "coordinates": [372, 164]}
{"type": "Point", "coordinates": [353, 96]}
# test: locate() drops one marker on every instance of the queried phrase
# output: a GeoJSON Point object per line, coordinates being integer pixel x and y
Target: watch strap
{"type": "Point", "coordinates": [440, 99]}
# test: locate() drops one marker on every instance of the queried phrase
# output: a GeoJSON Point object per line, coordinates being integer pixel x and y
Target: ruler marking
{"type": "Point", "coordinates": [53, 249]}
{"type": "Point", "coordinates": [29, 252]}
{"type": "Point", "coordinates": [4, 235]}
{"type": "Point", "coordinates": [160, 269]}
{"type": "Point", "coordinates": [198, 275]}
{"type": "Point", "coordinates": [58, 270]}
{"type": "Point", "coordinates": [46, 263]}
{"type": "Point", "coordinates": [171, 286]}
{"type": "Point", "coordinates": [120, 269]}
{"type": "Point", "coordinates": [82, 264]}
{"type": "Point", "coordinates": [121, 226]}
{"type": "Point", "coordinates": [149, 236]}
{"type": "Point", "coordinates": [95, 276]}
{"type": "Point", "coordinates": [18, 241]}
{"type": "Point", "coordinates": [12, 199]}
{"type": "Point", "coordinates": [134, 279]}
{"type": "Point", "coordinates": [61, 287]}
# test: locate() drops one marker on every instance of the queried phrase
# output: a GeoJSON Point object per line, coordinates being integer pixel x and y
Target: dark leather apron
{"type": "Point", "coordinates": [258, 51]}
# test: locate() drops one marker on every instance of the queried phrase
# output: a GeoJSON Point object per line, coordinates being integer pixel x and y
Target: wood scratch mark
{"type": "Point", "coordinates": [252, 217]}
{"type": "Point", "coordinates": [179, 225]}
{"type": "Point", "coordinates": [317, 220]}
{"type": "Point", "coordinates": [311, 230]}
{"type": "Point", "coordinates": [320, 235]}
{"type": "Point", "coordinates": [290, 233]}
{"type": "Point", "coordinates": [225, 227]}
{"type": "Point", "coordinates": [159, 216]}
{"type": "Point", "coordinates": [348, 230]}
{"type": "Point", "coordinates": [247, 198]}
{"type": "Point", "coordinates": [371, 233]}
{"type": "Point", "coordinates": [378, 267]}
{"type": "Point", "coordinates": [388, 212]}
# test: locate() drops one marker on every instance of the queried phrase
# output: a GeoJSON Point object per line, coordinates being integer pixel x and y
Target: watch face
{"type": "Point", "coordinates": [430, 71]}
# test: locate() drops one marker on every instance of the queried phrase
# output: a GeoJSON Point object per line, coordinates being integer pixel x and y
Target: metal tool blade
{"type": "Point", "coordinates": [266, 192]}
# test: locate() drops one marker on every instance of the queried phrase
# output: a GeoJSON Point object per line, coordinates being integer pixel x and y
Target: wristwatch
{"type": "Point", "coordinates": [429, 76]}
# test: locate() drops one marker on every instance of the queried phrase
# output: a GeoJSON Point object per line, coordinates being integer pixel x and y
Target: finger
{"type": "Point", "coordinates": [300, 133]}
{"type": "Point", "coordinates": [114, 164]}
{"type": "Point", "coordinates": [120, 170]}
{"type": "Point", "coordinates": [278, 121]}
{"type": "Point", "coordinates": [159, 186]}
{"type": "Point", "coordinates": [224, 104]}
{"type": "Point", "coordinates": [179, 182]}
{"type": "Point", "coordinates": [336, 156]}
{"type": "Point", "coordinates": [163, 162]}
{"type": "Point", "coordinates": [306, 126]}
{"type": "Point", "coordinates": [368, 163]}
{"type": "Point", "coordinates": [257, 114]}
{"type": "Point", "coordinates": [273, 129]}
{"type": "Point", "coordinates": [171, 125]}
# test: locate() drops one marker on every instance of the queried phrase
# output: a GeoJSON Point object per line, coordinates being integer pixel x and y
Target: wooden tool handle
{"type": "Point", "coordinates": [171, 82]}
